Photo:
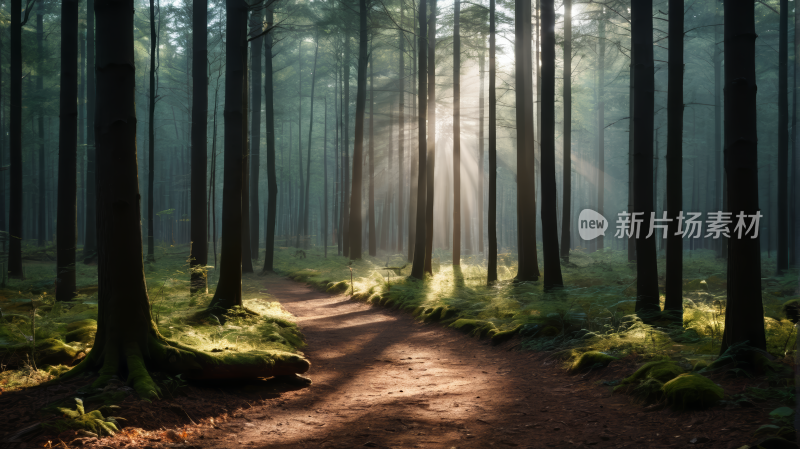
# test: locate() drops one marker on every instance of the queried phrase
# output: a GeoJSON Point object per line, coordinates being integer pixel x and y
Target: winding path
{"type": "Point", "coordinates": [381, 379]}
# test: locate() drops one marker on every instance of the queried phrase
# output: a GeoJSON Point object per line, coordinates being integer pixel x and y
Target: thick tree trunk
{"type": "Point", "coordinates": [418, 266]}
{"type": "Point", "coordinates": [229, 286]}
{"type": "Point", "coordinates": [783, 139]}
{"type": "Point", "coordinates": [457, 134]}
{"type": "Point", "coordinates": [67, 153]}
{"type": "Point", "coordinates": [373, 250]}
{"type": "Point", "coordinates": [355, 222]}
{"type": "Point", "coordinates": [199, 153]}
{"type": "Point", "coordinates": [744, 315]}
{"type": "Point", "coordinates": [552, 264]}
{"type": "Point", "coordinates": [151, 136]}
{"type": "Point", "coordinates": [647, 301]}
{"type": "Point", "coordinates": [566, 220]}
{"type": "Point", "coordinates": [673, 303]}
{"type": "Point", "coordinates": [491, 275]}
{"type": "Point", "coordinates": [256, 25]}
{"type": "Point", "coordinates": [431, 155]}
{"type": "Point", "coordinates": [272, 206]}
{"type": "Point", "coordinates": [15, 140]}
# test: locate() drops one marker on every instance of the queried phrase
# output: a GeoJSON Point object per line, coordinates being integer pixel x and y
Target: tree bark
{"type": "Point", "coordinates": [566, 220]}
{"type": "Point", "coordinates": [401, 132]}
{"type": "Point", "coordinates": [151, 136]}
{"type": "Point", "coordinates": [199, 152]}
{"type": "Point", "coordinates": [552, 263]}
{"type": "Point", "coordinates": [457, 134]}
{"type": "Point", "coordinates": [229, 286]}
{"type": "Point", "coordinates": [41, 232]}
{"type": "Point", "coordinates": [373, 250]}
{"type": "Point", "coordinates": [431, 155]}
{"type": "Point", "coordinates": [272, 179]}
{"type": "Point", "coordinates": [782, 262]}
{"type": "Point", "coordinates": [256, 26]}
{"type": "Point", "coordinates": [247, 259]}
{"type": "Point", "coordinates": [744, 315]}
{"type": "Point", "coordinates": [90, 235]}
{"type": "Point", "coordinates": [418, 266]}
{"type": "Point", "coordinates": [601, 118]}
{"type": "Point", "coordinates": [491, 275]}
{"type": "Point", "coordinates": [15, 141]}
{"type": "Point", "coordinates": [673, 302]}
{"type": "Point", "coordinates": [307, 189]}
{"type": "Point", "coordinates": [346, 157]}
{"type": "Point", "coordinates": [647, 301]}
{"type": "Point", "coordinates": [355, 222]}
{"type": "Point", "coordinates": [67, 153]}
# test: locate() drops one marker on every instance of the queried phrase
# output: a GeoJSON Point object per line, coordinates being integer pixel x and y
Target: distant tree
{"type": "Point", "coordinates": [431, 155]}
{"type": "Point", "coordinates": [552, 263]}
{"type": "Point", "coordinates": [782, 262]}
{"type": "Point", "coordinates": [491, 275]}
{"type": "Point", "coordinates": [151, 135]}
{"type": "Point", "coordinates": [673, 302]}
{"type": "Point", "coordinates": [15, 141]}
{"type": "Point", "coordinates": [354, 223]}
{"type": "Point", "coordinates": [67, 226]}
{"type": "Point", "coordinates": [199, 152]}
{"type": "Point", "coordinates": [41, 232]}
{"type": "Point", "coordinates": [256, 27]}
{"type": "Point", "coordinates": [307, 188]}
{"type": "Point", "coordinates": [601, 118]}
{"type": "Point", "coordinates": [418, 266]}
{"type": "Point", "coordinates": [247, 259]}
{"type": "Point", "coordinates": [744, 314]}
{"type": "Point", "coordinates": [401, 131]}
{"type": "Point", "coordinates": [90, 235]}
{"type": "Point", "coordinates": [566, 208]}
{"type": "Point", "coordinates": [371, 240]}
{"type": "Point", "coordinates": [647, 300]}
{"type": "Point", "coordinates": [272, 179]}
{"type": "Point", "coordinates": [457, 133]}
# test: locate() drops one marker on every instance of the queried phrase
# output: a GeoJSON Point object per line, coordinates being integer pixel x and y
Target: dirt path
{"type": "Point", "coordinates": [382, 379]}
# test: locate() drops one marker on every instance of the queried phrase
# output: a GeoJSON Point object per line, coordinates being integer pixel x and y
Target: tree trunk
{"type": "Point", "coordinates": [346, 157]}
{"type": "Point", "coordinates": [67, 153]}
{"type": "Point", "coordinates": [41, 232]}
{"type": "Point", "coordinates": [673, 303]}
{"type": "Point", "coordinates": [199, 152]}
{"type": "Point", "coordinates": [401, 132]}
{"type": "Point", "coordinates": [373, 251]}
{"type": "Point", "coordinates": [647, 301]}
{"type": "Point", "coordinates": [3, 223]}
{"type": "Point", "coordinates": [151, 135]}
{"type": "Point", "coordinates": [481, 142]}
{"type": "Point", "coordinates": [431, 155]}
{"type": "Point", "coordinates": [15, 140]}
{"type": "Point", "coordinates": [418, 266]}
{"type": "Point", "coordinates": [271, 175]}
{"type": "Point", "coordinates": [783, 140]}
{"type": "Point", "coordinates": [299, 203]}
{"type": "Point", "coordinates": [256, 26]}
{"type": "Point", "coordinates": [552, 264]}
{"type": "Point", "coordinates": [457, 134]}
{"type": "Point", "coordinates": [491, 275]}
{"type": "Point", "coordinates": [744, 315]}
{"type": "Point", "coordinates": [307, 189]}
{"type": "Point", "coordinates": [567, 165]}
{"type": "Point", "coordinates": [247, 259]}
{"type": "Point", "coordinates": [90, 235]}
{"type": "Point", "coordinates": [355, 222]}
{"type": "Point", "coordinates": [229, 285]}
{"type": "Point", "coordinates": [601, 119]}
{"type": "Point", "coordinates": [325, 182]}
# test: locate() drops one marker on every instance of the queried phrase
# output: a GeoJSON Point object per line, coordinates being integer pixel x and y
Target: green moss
{"type": "Point", "coordinates": [661, 370]}
{"type": "Point", "coordinates": [649, 391]}
{"type": "Point", "coordinates": [77, 419]}
{"type": "Point", "coordinates": [81, 335]}
{"type": "Point", "coordinates": [54, 352]}
{"type": "Point", "coordinates": [503, 336]}
{"type": "Point", "coordinates": [692, 391]}
{"type": "Point", "coordinates": [590, 360]}
{"type": "Point", "coordinates": [434, 315]}
{"type": "Point", "coordinates": [57, 370]}
{"type": "Point", "coordinates": [549, 331]}
{"type": "Point", "coordinates": [478, 328]}
{"type": "Point", "coordinates": [75, 325]}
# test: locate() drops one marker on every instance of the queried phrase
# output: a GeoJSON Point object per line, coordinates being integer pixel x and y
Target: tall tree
{"type": "Point", "coordinates": [90, 235]}
{"type": "Point", "coordinates": [401, 129]}
{"type": "Point", "coordinates": [552, 264]}
{"type": "Point", "coordinates": [647, 300]}
{"type": "Point", "coordinates": [67, 226]}
{"type": "Point", "coordinates": [199, 152]}
{"type": "Point", "coordinates": [256, 27]}
{"type": "Point", "coordinates": [229, 286]}
{"type": "Point", "coordinates": [601, 117]}
{"type": "Point", "coordinates": [744, 315]}
{"type": "Point", "coordinates": [372, 242]}
{"type": "Point", "coordinates": [15, 141]}
{"type": "Point", "coordinates": [345, 156]}
{"type": "Point", "coordinates": [457, 133]}
{"type": "Point", "coordinates": [431, 155]}
{"type": "Point", "coordinates": [673, 303]}
{"type": "Point", "coordinates": [491, 275]}
{"type": "Point", "coordinates": [418, 266]}
{"type": "Point", "coordinates": [151, 135]}
{"type": "Point", "coordinates": [308, 155]}
{"type": "Point", "coordinates": [272, 179]}
{"type": "Point", "coordinates": [41, 233]}
{"type": "Point", "coordinates": [566, 188]}
{"type": "Point", "coordinates": [325, 181]}
{"type": "Point", "coordinates": [247, 260]}
{"type": "Point", "coordinates": [354, 223]}
{"type": "Point", "coordinates": [783, 139]}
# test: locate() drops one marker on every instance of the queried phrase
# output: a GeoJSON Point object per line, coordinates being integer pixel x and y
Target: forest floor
{"type": "Point", "coordinates": [383, 379]}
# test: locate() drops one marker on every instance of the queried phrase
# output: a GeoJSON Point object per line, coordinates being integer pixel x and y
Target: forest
{"type": "Point", "coordinates": [399, 223]}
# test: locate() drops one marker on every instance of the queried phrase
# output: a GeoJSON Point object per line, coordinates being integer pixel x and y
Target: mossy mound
{"type": "Point", "coordinates": [503, 336]}
{"type": "Point", "coordinates": [661, 370]}
{"type": "Point", "coordinates": [743, 356]}
{"type": "Point", "coordinates": [49, 351]}
{"type": "Point", "coordinates": [478, 328]}
{"type": "Point", "coordinates": [649, 391]}
{"type": "Point", "coordinates": [550, 331]}
{"type": "Point", "coordinates": [57, 370]}
{"type": "Point", "coordinates": [695, 285]}
{"type": "Point", "coordinates": [435, 315]}
{"type": "Point", "coordinates": [692, 392]}
{"type": "Point", "coordinates": [83, 335]}
{"type": "Point", "coordinates": [75, 325]}
{"type": "Point", "coordinates": [591, 359]}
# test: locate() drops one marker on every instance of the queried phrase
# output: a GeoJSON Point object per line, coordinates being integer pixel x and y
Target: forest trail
{"type": "Point", "coordinates": [382, 379]}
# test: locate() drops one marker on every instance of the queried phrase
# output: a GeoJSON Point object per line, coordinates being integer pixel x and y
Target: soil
{"type": "Point", "coordinates": [382, 379]}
